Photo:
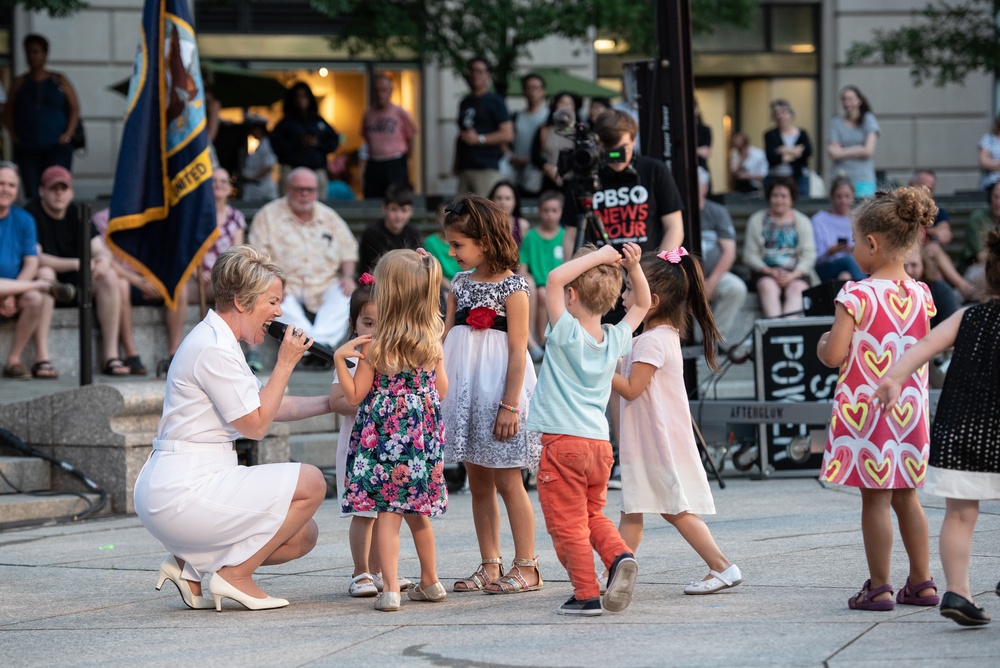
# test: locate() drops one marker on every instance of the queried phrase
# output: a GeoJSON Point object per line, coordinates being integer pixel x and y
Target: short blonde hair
{"type": "Point", "coordinates": [241, 275]}
{"type": "Point", "coordinates": [409, 329]}
{"type": "Point", "coordinates": [599, 287]}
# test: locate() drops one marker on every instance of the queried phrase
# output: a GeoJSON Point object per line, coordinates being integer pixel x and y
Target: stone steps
{"type": "Point", "coordinates": [26, 507]}
{"type": "Point", "coordinates": [25, 474]}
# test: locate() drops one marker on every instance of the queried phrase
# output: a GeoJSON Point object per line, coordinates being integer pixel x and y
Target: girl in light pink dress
{"type": "Point", "coordinates": [883, 451]}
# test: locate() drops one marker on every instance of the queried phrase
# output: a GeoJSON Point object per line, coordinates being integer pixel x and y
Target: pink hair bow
{"type": "Point", "coordinates": [366, 279]}
{"type": "Point", "coordinates": [673, 256]}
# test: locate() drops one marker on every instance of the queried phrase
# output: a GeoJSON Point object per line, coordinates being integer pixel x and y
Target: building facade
{"type": "Point", "coordinates": [794, 50]}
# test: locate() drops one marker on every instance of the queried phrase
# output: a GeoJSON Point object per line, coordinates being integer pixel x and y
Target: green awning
{"type": "Point", "coordinates": [557, 80]}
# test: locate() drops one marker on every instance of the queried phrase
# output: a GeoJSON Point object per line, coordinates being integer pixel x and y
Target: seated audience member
{"type": "Point", "coordinates": [393, 232]}
{"type": "Point", "coordinates": [318, 253]}
{"type": "Point", "coordinates": [57, 221]}
{"type": "Point", "coordinates": [747, 165]}
{"type": "Point", "coordinates": [939, 236]}
{"type": "Point", "coordinates": [726, 291]}
{"type": "Point", "coordinates": [834, 236]}
{"type": "Point", "coordinates": [780, 250]}
{"type": "Point", "coordinates": [541, 252]}
{"type": "Point", "coordinates": [921, 267]}
{"type": "Point", "coordinates": [26, 291]}
{"type": "Point", "coordinates": [974, 255]}
{"type": "Point", "coordinates": [134, 290]}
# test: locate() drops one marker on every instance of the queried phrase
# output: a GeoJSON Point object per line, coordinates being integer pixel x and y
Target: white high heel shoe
{"type": "Point", "coordinates": [171, 570]}
{"type": "Point", "coordinates": [220, 589]}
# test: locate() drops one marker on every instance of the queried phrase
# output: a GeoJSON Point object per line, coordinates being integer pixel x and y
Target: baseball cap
{"type": "Point", "coordinates": [56, 174]}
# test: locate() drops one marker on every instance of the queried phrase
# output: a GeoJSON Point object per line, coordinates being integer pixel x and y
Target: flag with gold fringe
{"type": "Point", "coordinates": [162, 210]}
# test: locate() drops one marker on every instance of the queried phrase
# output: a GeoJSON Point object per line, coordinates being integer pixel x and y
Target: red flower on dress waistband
{"type": "Point", "coordinates": [481, 317]}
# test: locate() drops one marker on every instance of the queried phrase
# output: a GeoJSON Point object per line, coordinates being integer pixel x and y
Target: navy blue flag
{"type": "Point", "coordinates": [162, 208]}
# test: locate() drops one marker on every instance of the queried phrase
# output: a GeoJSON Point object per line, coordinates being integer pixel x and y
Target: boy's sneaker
{"type": "Point", "coordinates": [621, 580]}
{"type": "Point", "coordinates": [590, 607]}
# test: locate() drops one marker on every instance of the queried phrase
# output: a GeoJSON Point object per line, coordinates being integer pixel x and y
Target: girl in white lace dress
{"type": "Point", "coordinates": [485, 355]}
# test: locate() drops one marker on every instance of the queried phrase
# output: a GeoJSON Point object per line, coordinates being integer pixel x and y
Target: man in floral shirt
{"type": "Point", "coordinates": [317, 252]}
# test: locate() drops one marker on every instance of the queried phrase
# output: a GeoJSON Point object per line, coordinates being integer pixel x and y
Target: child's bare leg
{"type": "Point", "coordinates": [956, 544]}
{"type": "Point", "coordinates": [913, 529]}
{"type": "Point", "coordinates": [387, 526]}
{"type": "Point", "coordinates": [521, 516]}
{"type": "Point", "coordinates": [630, 527]}
{"type": "Point", "coordinates": [876, 528]}
{"type": "Point", "coordinates": [694, 530]}
{"type": "Point", "coordinates": [485, 515]}
{"type": "Point", "coordinates": [374, 561]}
{"type": "Point", "coordinates": [423, 540]}
{"type": "Point", "coordinates": [360, 537]}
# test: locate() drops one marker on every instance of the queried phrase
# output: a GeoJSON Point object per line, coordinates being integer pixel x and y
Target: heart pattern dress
{"type": "Point", "coordinates": [868, 446]}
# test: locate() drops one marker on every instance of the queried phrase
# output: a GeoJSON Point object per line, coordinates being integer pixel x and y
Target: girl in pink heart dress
{"type": "Point", "coordinates": [883, 451]}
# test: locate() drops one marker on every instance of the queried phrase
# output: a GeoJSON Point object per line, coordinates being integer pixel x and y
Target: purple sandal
{"type": "Point", "coordinates": [908, 594]}
{"type": "Point", "coordinates": [863, 599]}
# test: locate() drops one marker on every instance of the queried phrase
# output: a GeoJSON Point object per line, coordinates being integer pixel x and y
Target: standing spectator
{"type": "Point", "coordinates": [989, 158]}
{"type": "Point", "coordinates": [318, 254]}
{"type": "Point", "coordinates": [527, 176]}
{"type": "Point", "coordinates": [598, 105]}
{"type": "Point", "coordinates": [780, 250]}
{"type": "Point", "coordinates": [484, 127]}
{"type": "Point", "coordinates": [703, 135]}
{"type": "Point", "coordinates": [42, 115]}
{"type": "Point", "coordinates": [389, 131]}
{"type": "Point", "coordinates": [725, 291]}
{"type": "Point", "coordinates": [556, 136]}
{"type": "Point", "coordinates": [393, 232]}
{"type": "Point", "coordinates": [58, 221]}
{"type": "Point", "coordinates": [257, 177]}
{"type": "Point", "coordinates": [852, 140]}
{"type": "Point", "coordinates": [747, 165]}
{"type": "Point", "coordinates": [19, 262]}
{"type": "Point", "coordinates": [787, 147]}
{"type": "Point", "coordinates": [834, 236]}
{"type": "Point", "coordinates": [302, 138]}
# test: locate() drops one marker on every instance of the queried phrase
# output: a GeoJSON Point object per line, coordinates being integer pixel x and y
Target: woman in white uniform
{"type": "Point", "coordinates": [214, 516]}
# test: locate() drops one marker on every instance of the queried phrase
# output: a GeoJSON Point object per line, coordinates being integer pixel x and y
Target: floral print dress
{"type": "Point", "coordinates": [394, 461]}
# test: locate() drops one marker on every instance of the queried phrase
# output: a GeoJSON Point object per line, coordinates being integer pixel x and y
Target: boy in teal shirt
{"type": "Point", "coordinates": [568, 408]}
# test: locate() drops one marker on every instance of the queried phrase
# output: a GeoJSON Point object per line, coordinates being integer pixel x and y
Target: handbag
{"type": "Point", "coordinates": [79, 138]}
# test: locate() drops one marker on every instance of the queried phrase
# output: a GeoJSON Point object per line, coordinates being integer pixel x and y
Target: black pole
{"type": "Point", "coordinates": [85, 295]}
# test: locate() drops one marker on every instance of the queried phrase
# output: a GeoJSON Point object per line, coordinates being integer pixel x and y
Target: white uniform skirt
{"type": "Point", "coordinates": [206, 509]}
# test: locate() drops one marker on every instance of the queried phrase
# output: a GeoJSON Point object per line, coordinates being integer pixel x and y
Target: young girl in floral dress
{"type": "Point", "coordinates": [394, 461]}
{"type": "Point", "coordinates": [883, 452]}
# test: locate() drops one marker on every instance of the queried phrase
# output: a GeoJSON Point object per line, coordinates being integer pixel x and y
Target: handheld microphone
{"type": "Point", "coordinates": [277, 330]}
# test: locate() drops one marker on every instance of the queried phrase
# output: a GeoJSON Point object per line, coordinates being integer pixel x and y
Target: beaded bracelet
{"type": "Point", "coordinates": [512, 409]}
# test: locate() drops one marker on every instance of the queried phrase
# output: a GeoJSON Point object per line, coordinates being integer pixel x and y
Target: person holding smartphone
{"type": "Point", "coordinates": [833, 235]}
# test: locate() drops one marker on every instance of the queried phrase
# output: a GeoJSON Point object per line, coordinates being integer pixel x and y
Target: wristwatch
{"type": "Point", "coordinates": [482, 139]}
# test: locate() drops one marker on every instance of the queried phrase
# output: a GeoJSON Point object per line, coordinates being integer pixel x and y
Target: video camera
{"type": "Point", "coordinates": [580, 165]}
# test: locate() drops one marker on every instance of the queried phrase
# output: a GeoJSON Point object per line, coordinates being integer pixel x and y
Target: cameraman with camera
{"type": "Point", "coordinates": [633, 197]}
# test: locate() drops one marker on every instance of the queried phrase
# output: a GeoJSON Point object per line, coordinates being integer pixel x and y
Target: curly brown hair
{"type": "Point", "coordinates": [897, 217]}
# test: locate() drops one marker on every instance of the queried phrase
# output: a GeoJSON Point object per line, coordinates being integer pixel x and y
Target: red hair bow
{"type": "Point", "coordinates": [366, 279]}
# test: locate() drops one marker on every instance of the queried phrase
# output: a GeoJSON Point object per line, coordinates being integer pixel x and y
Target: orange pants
{"type": "Point", "coordinates": [572, 489]}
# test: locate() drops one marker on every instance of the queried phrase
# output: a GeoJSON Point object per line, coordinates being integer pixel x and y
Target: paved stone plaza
{"type": "Point", "coordinates": [83, 595]}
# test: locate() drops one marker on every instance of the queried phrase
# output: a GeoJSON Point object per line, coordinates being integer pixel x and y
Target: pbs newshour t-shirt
{"type": "Point", "coordinates": [632, 208]}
